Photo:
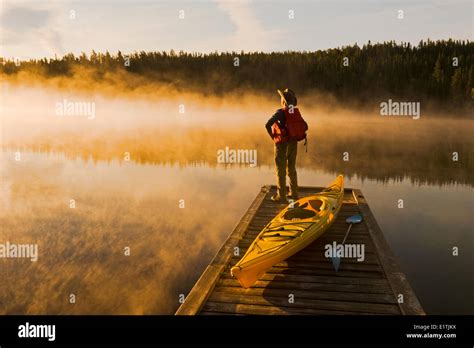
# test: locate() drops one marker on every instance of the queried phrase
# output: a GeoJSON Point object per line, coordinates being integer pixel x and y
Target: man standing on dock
{"type": "Point", "coordinates": [286, 127]}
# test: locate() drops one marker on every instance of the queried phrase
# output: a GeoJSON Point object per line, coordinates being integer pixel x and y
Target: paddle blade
{"type": "Point", "coordinates": [336, 261]}
{"type": "Point", "coordinates": [354, 219]}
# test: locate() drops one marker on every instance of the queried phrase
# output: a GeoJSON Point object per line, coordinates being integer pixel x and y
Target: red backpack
{"type": "Point", "coordinates": [295, 127]}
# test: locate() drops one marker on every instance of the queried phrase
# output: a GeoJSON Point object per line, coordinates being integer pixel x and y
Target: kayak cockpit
{"type": "Point", "coordinates": [310, 210]}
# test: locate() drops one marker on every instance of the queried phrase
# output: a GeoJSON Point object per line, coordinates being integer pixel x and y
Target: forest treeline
{"type": "Point", "coordinates": [440, 71]}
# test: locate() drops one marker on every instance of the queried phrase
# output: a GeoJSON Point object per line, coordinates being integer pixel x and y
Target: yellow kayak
{"type": "Point", "coordinates": [293, 229]}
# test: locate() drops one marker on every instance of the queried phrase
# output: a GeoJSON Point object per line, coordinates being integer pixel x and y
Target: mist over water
{"type": "Point", "coordinates": [173, 157]}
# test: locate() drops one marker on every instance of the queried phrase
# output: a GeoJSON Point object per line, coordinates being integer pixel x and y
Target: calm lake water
{"type": "Point", "coordinates": [173, 205]}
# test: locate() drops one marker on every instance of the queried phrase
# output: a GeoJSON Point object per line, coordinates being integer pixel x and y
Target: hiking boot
{"type": "Point", "coordinates": [278, 199]}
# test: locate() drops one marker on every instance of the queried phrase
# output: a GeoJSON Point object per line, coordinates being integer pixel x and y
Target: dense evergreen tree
{"type": "Point", "coordinates": [432, 70]}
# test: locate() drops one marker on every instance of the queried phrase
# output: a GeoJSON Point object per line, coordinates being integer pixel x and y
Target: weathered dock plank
{"type": "Point", "coordinates": [373, 286]}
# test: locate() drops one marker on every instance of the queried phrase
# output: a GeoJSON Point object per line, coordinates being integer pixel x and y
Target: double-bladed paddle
{"type": "Point", "coordinates": [351, 220]}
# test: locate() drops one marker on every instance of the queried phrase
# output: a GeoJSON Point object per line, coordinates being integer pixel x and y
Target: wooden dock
{"type": "Point", "coordinates": [307, 282]}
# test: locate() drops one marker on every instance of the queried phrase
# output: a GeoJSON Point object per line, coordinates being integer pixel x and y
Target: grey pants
{"type": "Point", "coordinates": [285, 163]}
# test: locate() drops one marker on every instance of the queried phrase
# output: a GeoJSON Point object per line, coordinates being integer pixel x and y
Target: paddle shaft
{"type": "Point", "coordinates": [347, 233]}
{"type": "Point", "coordinates": [350, 226]}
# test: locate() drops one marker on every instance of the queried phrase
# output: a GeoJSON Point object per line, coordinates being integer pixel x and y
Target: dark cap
{"type": "Point", "coordinates": [289, 96]}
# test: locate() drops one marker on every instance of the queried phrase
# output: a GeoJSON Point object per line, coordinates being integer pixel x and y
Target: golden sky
{"type": "Point", "coordinates": [32, 29]}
